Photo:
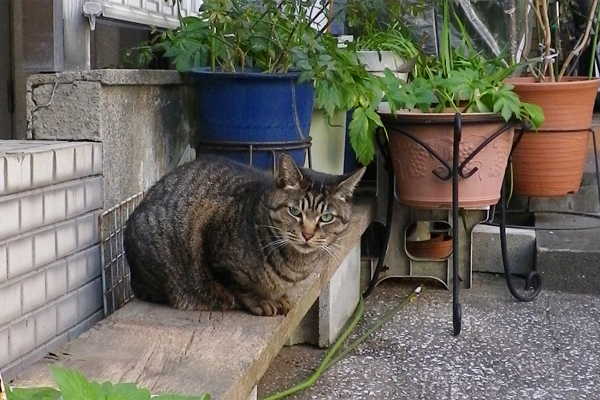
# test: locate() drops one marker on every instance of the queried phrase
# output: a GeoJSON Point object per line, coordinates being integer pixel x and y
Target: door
{"type": "Point", "coordinates": [5, 76]}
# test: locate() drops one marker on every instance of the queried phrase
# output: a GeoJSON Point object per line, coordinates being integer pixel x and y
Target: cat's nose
{"type": "Point", "coordinates": [307, 235]}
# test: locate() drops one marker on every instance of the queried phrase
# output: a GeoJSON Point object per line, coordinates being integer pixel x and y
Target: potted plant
{"type": "Point", "coordinates": [422, 114]}
{"type": "Point", "coordinates": [550, 160]}
{"type": "Point", "coordinates": [238, 44]}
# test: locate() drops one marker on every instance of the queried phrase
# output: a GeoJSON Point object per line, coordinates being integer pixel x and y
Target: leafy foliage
{"type": "Point", "coordinates": [74, 386]}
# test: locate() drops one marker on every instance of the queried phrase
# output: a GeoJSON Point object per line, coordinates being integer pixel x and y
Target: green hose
{"type": "Point", "coordinates": [328, 361]}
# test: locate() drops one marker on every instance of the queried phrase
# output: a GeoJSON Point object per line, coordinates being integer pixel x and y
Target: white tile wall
{"type": "Point", "coordinates": [32, 211]}
{"type": "Point", "coordinates": [50, 285]}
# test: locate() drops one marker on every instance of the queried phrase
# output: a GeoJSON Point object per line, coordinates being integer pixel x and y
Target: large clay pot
{"type": "Point", "coordinates": [418, 186]}
{"type": "Point", "coordinates": [550, 161]}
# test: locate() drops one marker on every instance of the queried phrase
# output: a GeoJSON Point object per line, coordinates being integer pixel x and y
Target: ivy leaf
{"type": "Point", "coordinates": [44, 393]}
{"type": "Point", "coordinates": [73, 385]}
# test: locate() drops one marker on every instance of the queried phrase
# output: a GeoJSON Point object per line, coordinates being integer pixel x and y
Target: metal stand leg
{"type": "Point", "coordinates": [456, 310]}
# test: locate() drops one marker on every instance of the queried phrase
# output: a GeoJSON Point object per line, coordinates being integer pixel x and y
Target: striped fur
{"type": "Point", "coordinates": [214, 234]}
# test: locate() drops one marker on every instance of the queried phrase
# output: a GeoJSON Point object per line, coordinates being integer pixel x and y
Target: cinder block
{"type": "Point", "coordinates": [84, 154]}
{"type": "Point", "coordinates": [90, 298]}
{"type": "Point", "coordinates": [64, 164]}
{"type": "Point", "coordinates": [3, 263]}
{"type": "Point", "coordinates": [94, 195]}
{"type": "Point", "coordinates": [44, 247]}
{"type": "Point", "coordinates": [12, 370]}
{"type": "Point", "coordinates": [9, 216]}
{"type": "Point", "coordinates": [487, 253]}
{"type": "Point", "coordinates": [67, 312]}
{"type": "Point", "coordinates": [32, 211]}
{"type": "Point", "coordinates": [2, 176]}
{"type": "Point", "coordinates": [20, 256]}
{"type": "Point", "coordinates": [66, 238]}
{"type": "Point", "coordinates": [77, 271]}
{"type": "Point", "coordinates": [3, 347]}
{"type": "Point", "coordinates": [55, 205]}
{"type": "Point", "coordinates": [75, 199]}
{"type": "Point", "coordinates": [33, 357]}
{"type": "Point", "coordinates": [339, 298]}
{"type": "Point", "coordinates": [87, 231]}
{"type": "Point", "coordinates": [42, 164]}
{"type": "Point", "coordinates": [11, 302]}
{"type": "Point", "coordinates": [45, 324]}
{"type": "Point", "coordinates": [56, 280]}
{"type": "Point", "coordinates": [21, 338]}
{"type": "Point", "coordinates": [18, 172]}
{"type": "Point", "coordinates": [97, 162]}
{"type": "Point", "coordinates": [33, 291]}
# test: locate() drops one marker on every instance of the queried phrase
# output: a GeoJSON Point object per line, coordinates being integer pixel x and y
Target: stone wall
{"type": "Point", "coordinates": [50, 287]}
{"type": "Point", "coordinates": [145, 120]}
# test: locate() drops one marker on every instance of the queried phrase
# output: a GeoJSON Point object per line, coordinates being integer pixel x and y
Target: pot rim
{"type": "Point", "coordinates": [439, 118]}
{"type": "Point", "coordinates": [248, 74]}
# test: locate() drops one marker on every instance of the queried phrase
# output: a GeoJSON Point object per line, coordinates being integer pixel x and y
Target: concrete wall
{"type": "Point", "coordinates": [50, 285]}
{"type": "Point", "coordinates": [145, 120]}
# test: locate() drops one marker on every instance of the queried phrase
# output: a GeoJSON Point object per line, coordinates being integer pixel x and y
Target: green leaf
{"type": "Point", "coordinates": [361, 139]}
{"type": "Point", "coordinates": [73, 385]}
{"type": "Point", "coordinates": [44, 393]}
{"type": "Point", "coordinates": [535, 114]}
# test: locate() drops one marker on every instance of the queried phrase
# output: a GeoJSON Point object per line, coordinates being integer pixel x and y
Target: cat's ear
{"type": "Point", "coordinates": [289, 175]}
{"type": "Point", "coordinates": [346, 187]}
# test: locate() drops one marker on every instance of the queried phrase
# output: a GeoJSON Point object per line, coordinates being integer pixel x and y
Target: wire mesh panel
{"type": "Point", "coordinates": [115, 270]}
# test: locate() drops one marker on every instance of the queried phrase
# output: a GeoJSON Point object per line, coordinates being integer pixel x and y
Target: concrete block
{"type": "Point", "coordinates": [42, 167]}
{"type": "Point", "coordinates": [90, 298]}
{"type": "Point", "coordinates": [22, 338]}
{"type": "Point", "coordinates": [84, 153]}
{"type": "Point", "coordinates": [3, 347]}
{"type": "Point", "coordinates": [487, 254]}
{"type": "Point", "coordinates": [20, 256]}
{"type": "Point", "coordinates": [97, 160]}
{"type": "Point", "coordinates": [94, 196]}
{"type": "Point", "coordinates": [18, 172]}
{"type": "Point", "coordinates": [253, 394]}
{"type": "Point", "coordinates": [87, 231]}
{"type": "Point", "coordinates": [9, 216]}
{"type": "Point", "coordinates": [56, 280]}
{"type": "Point", "coordinates": [67, 312]}
{"type": "Point", "coordinates": [73, 115]}
{"type": "Point", "coordinates": [75, 199]}
{"type": "Point", "coordinates": [77, 273]}
{"type": "Point", "coordinates": [45, 324]}
{"type": "Point", "coordinates": [11, 302]}
{"type": "Point", "coordinates": [55, 205]}
{"type": "Point", "coordinates": [66, 238]}
{"type": "Point", "coordinates": [2, 176]}
{"type": "Point", "coordinates": [32, 211]}
{"type": "Point", "coordinates": [64, 164]}
{"type": "Point", "coordinates": [33, 291]}
{"type": "Point", "coordinates": [44, 247]}
{"type": "Point", "coordinates": [3, 263]}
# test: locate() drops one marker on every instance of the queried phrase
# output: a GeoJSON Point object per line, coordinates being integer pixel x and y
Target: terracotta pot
{"type": "Point", "coordinates": [550, 161]}
{"type": "Point", "coordinates": [416, 184]}
{"type": "Point", "coordinates": [439, 247]}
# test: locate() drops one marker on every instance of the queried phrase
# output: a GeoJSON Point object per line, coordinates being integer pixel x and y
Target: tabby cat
{"type": "Point", "coordinates": [215, 234]}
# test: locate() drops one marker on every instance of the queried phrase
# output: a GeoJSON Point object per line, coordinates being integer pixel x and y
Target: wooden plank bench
{"type": "Point", "coordinates": [185, 352]}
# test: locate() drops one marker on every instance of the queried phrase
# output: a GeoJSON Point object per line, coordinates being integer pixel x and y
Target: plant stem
{"type": "Point", "coordinates": [583, 41]}
{"type": "Point", "coordinates": [547, 33]}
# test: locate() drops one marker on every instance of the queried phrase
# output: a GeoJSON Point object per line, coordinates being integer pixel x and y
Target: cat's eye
{"type": "Point", "coordinates": [294, 211]}
{"type": "Point", "coordinates": [327, 217]}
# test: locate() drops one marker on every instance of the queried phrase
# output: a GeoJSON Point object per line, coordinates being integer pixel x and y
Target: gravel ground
{"type": "Point", "coordinates": [546, 349]}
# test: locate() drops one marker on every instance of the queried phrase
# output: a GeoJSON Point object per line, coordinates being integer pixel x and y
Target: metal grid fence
{"type": "Point", "coordinates": [115, 270]}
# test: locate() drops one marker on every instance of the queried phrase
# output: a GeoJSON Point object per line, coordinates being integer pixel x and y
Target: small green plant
{"type": "Point", "coordinates": [72, 385]}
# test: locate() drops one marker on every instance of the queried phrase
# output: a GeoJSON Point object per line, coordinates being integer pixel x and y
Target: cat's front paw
{"type": "Point", "coordinates": [271, 307]}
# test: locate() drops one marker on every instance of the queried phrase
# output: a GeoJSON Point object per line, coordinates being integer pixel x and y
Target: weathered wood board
{"type": "Point", "coordinates": [185, 352]}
